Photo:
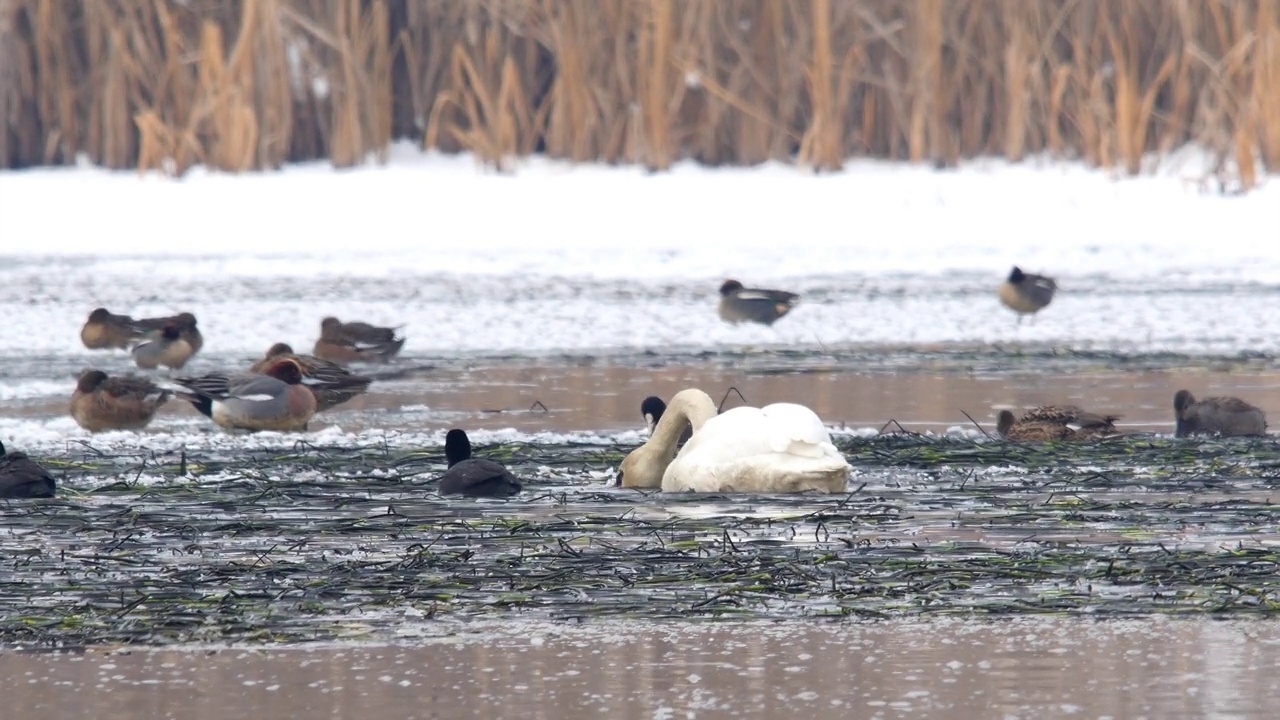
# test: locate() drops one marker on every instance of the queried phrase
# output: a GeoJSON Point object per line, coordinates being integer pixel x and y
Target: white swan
{"type": "Point", "coordinates": [778, 448]}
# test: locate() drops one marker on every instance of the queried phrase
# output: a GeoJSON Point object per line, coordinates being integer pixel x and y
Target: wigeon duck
{"type": "Point", "coordinates": [356, 342]}
{"type": "Point", "coordinates": [115, 403]}
{"type": "Point", "coordinates": [274, 400]}
{"type": "Point", "coordinates": [186, 324]}
{"type": "Point", "coordinates": [105, 330]}
{"type": "Point", "coordinates": [652, 409]}
{"type": "Point", "coordinates": [163, 347]}
{"type": "Point", "coordinates": [1027, 294]}
{"type": "Point", "coordinates": [331, 383]}
{"type": "Point", "coordinates": [475, 477]}
{"type": "Point", "coordinates": [1052, 424]}
{"type": "Point", "coordinates": [740, 304]}
{"type": "Point", "coordinates": [22, 477]}
{"type": "Point", "coordinates": [1228, 416]}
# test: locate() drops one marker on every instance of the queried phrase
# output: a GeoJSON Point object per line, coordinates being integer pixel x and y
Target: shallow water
{"type": "Point", "coordinates": [586, 394]}
{"type": "Point", "coordinates": [940, 668]}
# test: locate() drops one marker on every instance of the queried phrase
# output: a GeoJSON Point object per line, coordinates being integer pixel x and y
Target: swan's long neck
{"type": "Point", "coordinates": [690, 406]}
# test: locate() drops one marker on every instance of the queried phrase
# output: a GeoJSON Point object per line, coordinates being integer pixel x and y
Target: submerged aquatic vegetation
{"type": "Point", "coordinates": [307, 543]}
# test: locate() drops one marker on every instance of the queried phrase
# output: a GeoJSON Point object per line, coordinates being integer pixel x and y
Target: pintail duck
{"type": "Point", "coordinates": [105, 330]}
{"type": "Point", "coordinates": [186, 324]}
{"type": "Point", "coordinates": [22, 477]}
{"type": "Point", "coordinates": [115, 403]}
{"type": "Point", "coordinates": [739, 304]}
{"type": "Point", "coordinates": [1027, 294]}
{"type": "Point", "coordinates": [165, 347]}
{"type": "Point", "coordinates": [274, 400]}
{"type": "Point", "coordinates": [1052, 422]}
{"type": "Point", "coordinates": [356, 342]}
{"type": "Point", "coordinates": [652, 408]}
{"type": "Point", "coordinates": [331, 383]}
{"type": "Point", "coordinates": [1227, 416]}
{"type": "Point", "coordinates": [475, 477]}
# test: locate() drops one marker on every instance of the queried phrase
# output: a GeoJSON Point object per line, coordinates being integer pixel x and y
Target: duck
{"type": "Point", "coordinates": [740, 304]}
{"type": "Point", "coordinates": [1026, 293]}
{"type": "Point", "coordinates": [652, 409]}
{"type": "Point", "coordinates": [187, 328]}
{"type": "Point", "coordinates": [470, 476]}
{"type": "Point", "coordinates": [1226, 416]}
{"type": "Point", "coordinates": [778, 448]}
{"type": "Point", "coordinates": [331, 383]}
{"type": "Point", "coordinates": [101, 402]}
{"type": "Point", "coordinates": [273, 400]}
{"type": "Point", "coordinates": [356, 342]}
{"type": "Point", "coordinates": [22, 477]}
{"type": "Point", "coordinates": [1049, 422]}
{"type": "Point", "coordinates": [104, 330]}
{"type": "Point", "coordinates": [163, 347]}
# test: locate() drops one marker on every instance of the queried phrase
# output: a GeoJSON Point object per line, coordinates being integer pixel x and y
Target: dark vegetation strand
{"type": "Point", "coordinates": [255, 83]}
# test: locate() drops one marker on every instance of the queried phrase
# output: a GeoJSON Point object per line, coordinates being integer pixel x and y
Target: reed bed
{"type": "Point", "coordinates": [256, 83]}
{"type": "Point", "coordinates": [328, 543]}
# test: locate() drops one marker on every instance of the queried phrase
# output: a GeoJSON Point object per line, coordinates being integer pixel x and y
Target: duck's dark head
{"type": "Point", "coordinates": [171, 332]}
{"type": "Point", "coordinates": [90, 380]}
{"type": "Point", "coordinates": [730, 287]}
{"type": "Point", "coordinates": [652, 409]}
{"type": "Point", "coordinates": [330, 326]}
{"type": "Point", "coordinates": [100, 315]}
{"type": "Point", "coordinates": [1016, 275]}
{"type": "Point", "coordinates": [1004, 421]}
{"type": "Point", "coordinates": [279, 349]}
{"type": "Point", "coordinates": [1182, 400]}
{"type": "Point", "coordinates": [457, 446]}
{"type": "Point", "coordinates": [286, 371]}
{"type": "Point", "coordinates": [186, 320]}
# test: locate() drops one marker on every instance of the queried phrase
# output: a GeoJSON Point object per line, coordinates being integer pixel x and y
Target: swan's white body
{"type": "Point", "coordinates": [779, 448]}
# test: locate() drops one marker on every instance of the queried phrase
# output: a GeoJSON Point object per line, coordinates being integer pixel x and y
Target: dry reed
{"type": "Point", "coordinates": [254, 84]}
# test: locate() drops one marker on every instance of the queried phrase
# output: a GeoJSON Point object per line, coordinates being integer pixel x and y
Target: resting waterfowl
{"type": "Point", "coordinates": [186, 324]}
{"type": "Point", "coordinates": [22, 477]}
{"type": "Point", "coordinates": [474, 477]}
{"type": "Point", "coordinates": [102, 403]}
{"type": "Point", "coordinates": [779, 448]}
{"type": "Point", "coordinates": [331, 383]}
{"type": "Point", "coordinates": [740, 304]}
{"type": "Point", "coordinates": [1055, 423]}
{"type": "Point", "coordinates": [356, 342]}
{"type": "Point", "coordinates": [104, 330]}
{"type": "Point", "coordinates": [274, 400]}
{"type": "Point", "coordinates": [1027, 294]}
{"type": "Point", "coordinates": [1228, 416]}
{"type": "Point", "coordinates": [163, 347]}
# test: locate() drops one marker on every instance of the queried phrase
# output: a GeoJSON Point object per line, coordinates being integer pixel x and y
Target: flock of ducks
{"type": "Point", "coordinates": [778, 448]}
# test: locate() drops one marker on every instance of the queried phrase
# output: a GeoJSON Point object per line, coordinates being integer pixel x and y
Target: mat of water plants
{"type": "Point", "coordinates": [320, 543]}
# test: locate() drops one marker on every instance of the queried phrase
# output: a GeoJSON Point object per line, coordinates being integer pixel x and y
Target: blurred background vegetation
{"type": "Point", "coordinates": [247, 84]}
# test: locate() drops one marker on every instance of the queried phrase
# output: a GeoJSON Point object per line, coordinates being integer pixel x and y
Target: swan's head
{"type": "Point", "coordinates": [643, 468]}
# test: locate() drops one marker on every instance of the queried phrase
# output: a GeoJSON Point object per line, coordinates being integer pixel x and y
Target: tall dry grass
{"type": "Point", "coordinates": [256, 83]}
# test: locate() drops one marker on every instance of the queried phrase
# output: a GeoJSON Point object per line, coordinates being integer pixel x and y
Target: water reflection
{"type": "Point", "coordinates": [938, 668]}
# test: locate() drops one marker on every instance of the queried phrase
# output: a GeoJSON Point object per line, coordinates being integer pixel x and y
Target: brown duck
{"type": "Point", "coordinates": [105, 330]}
{"type": "Point", "coordinates": [1054, 422]}
{"type": "Point", "coordinates": [102, 403]}
{"type": "Point", "coordinates": [356, 342]}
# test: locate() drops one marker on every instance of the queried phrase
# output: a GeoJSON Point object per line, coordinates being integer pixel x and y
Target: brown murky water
{"type": "Point", "coordinates": [602, 396]}
{"type": "Point", "coordinates": [940, 668]}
